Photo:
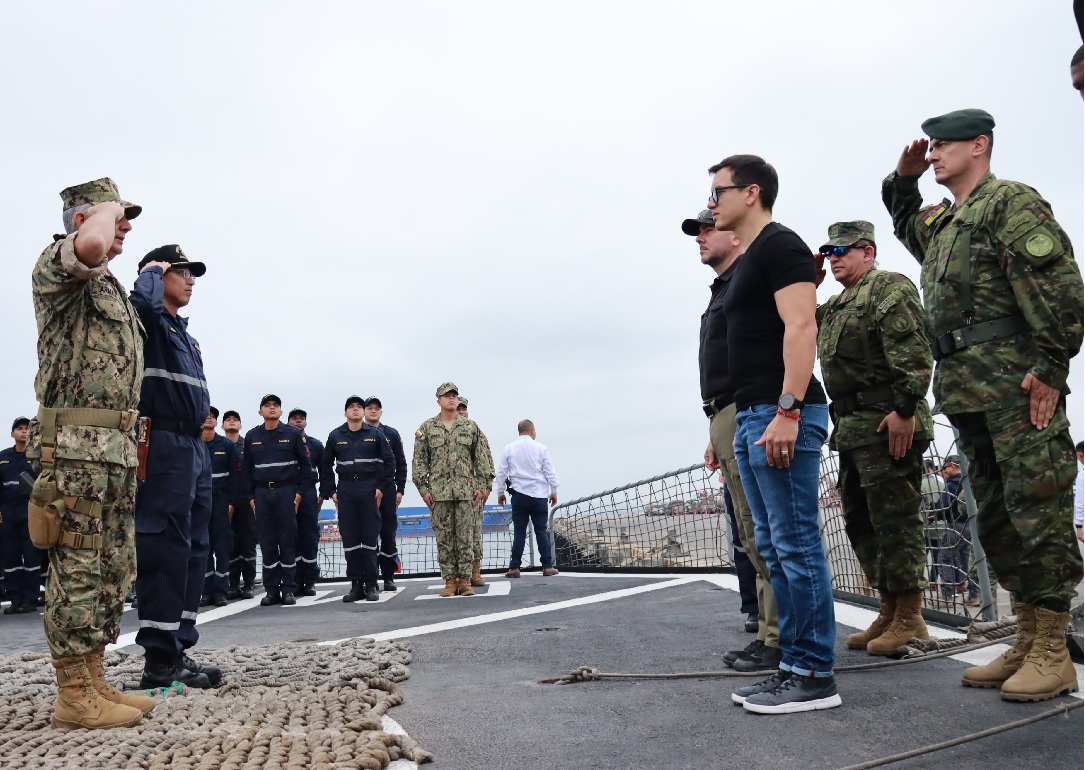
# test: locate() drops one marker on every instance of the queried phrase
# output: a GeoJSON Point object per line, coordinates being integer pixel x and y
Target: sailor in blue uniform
{"type": "Point", "coordinates": [363, 460]}
{"type": "Point", "coordinates": [393, 494]}
{"type": "Point", "coordinates": [173, 505]}
{"type": "Point", "coordinates": [21, 560]}
{"type": "Point", "coordinates": [243, 522]}
{"type": "Point", "coordinates": [225, 488]}
{"type": "Point", "coordinates": [275, 460]}
{"type": "Point", "coordinates": [308, 511]}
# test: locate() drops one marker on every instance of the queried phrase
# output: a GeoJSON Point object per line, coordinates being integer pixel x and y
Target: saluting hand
{"type": "Point", "coordinates": [1042, 400]}
{"type": "Point", "coordinates": [913, 161]}
{"type": "Point", "coordinates": [819, 268]}
{"type": "Point", "coordinates": [164, 265]}
{"type": "Point", "coordinates": [901, 430]}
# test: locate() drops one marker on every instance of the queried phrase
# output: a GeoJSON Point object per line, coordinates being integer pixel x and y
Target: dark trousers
{"type": "Point", "coordinates": [277, 530]}
{"type": "Point", "coordinates": [173, 510]}
{"type": "Point", "coordinates": [21, 560]}
{"type": "Point", "coordinates": [243, 551]}
{"type": "Point", "coordinates": [526, 508]}
{"type": "Point", "coordinates": [359, 526]}
{"type": "Point", "coordinates": [744, 569]}
{"type": "Point", "coordinates": [386, 556]}
{"type": "Point", "coordinates": [221, 538]}
{"type": "Point", "coordinates": [308, 537]}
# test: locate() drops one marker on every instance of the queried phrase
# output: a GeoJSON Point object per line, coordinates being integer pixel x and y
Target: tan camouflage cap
{"type": "Point", "coordinates": [463, 401]}
{"type": "Point", "coordinates": [98, 191]}
{"type": "Point", "coordinates": [848, 233]}
{"type": "Point", "coordinates": [447, 387]}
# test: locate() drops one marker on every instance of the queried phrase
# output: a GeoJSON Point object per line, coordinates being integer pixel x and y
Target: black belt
{"type": "Point", "coordinates": [714, 406]}
{"type": "Point", "coordinates": [176, 426]}
{"type": "Point", "coordinates": [967, 336]}
{"type": "Point", "coordinates": [853, 402]}
{"type": "Point", "coordinates": [275, 484]}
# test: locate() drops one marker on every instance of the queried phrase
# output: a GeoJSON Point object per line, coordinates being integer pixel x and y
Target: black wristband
{"type": "Point", "coordinates": [906, 410]}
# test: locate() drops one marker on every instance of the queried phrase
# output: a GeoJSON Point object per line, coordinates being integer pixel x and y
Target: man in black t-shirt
{"type": "Point", "coordinates": [781, 424]}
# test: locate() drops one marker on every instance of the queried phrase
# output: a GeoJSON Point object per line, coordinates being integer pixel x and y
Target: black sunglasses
{"type": "Point", "coordinates": [838, 251]}
{"type": "Point", "coordinates": [714, 196]}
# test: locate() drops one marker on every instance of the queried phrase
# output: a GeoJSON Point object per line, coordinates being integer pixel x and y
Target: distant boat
{"type": "Point", "coordinates": [415, 522]}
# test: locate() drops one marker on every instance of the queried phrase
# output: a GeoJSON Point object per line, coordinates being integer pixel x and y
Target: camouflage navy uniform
{"type": "Point", "coordinates": [480, 511]}
{"type": "Point", "coordinates": [450, 463]}
{"type": "Point", "coordinates": [90, 370]}
{"type": "Point", "coordinates": [875, 355]}
{"type": "Point", "coordinates": [1003, 297]}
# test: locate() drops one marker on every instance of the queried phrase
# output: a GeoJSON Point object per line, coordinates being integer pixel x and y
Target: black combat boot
{"type": "Point", "coordinates": [356, 593]}
{"type": "Point", "coordinates": [164, 674]}
{"type": "Point", "coordinates": [389, 584]}
{"type": "Point", "coordinates": [246, 591]}
{"type": "Point", "coordinates": [270, 598]}
{"type": "Point", "coordinates": [212, 672]}
{"type": "Point", "coordinates": [306, 589]}
{"type": "Point", "coordinates": [289, 600]}
{"type": "Point", "coordinates": [371, 592]}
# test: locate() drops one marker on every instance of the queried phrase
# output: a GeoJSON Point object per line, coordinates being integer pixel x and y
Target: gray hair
{"type": "Point", "coordinates": [69, 216]}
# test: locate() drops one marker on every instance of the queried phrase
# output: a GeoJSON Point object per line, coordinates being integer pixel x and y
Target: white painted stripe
{"type": "Point", "coordinates": [125, 640]}
{"type": "Point", "coordinates": [392, 727]}
{"type": "Point", "coordinates": [176, 378]}
{"type": "Point", "coordinates": [496, 588]}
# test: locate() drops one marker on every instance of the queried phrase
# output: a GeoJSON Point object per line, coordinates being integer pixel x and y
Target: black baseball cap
{"type": "Point", "coordinates": [298, 410]}
{"type": "Point", "coordinates": [271, 397]}
{"type": "Point", "coordinates": [693, 226]}
{"type": "Point", "coordinates": [214, 411]}
{"type": "Point", "coordinates": [20, 421]}
{"type": "Point", "coordinates": [373, 400]}
{"type": "Point", "coordinates": [353, 400]}
{"type": "Point", "coordinates": [173, 254]}
{"type": "Point", "coordinates": [231, 413]}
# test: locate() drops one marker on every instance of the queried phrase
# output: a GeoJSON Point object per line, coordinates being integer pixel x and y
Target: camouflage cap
{"type": "Point", "coordinates": [959, 125]}
{"type": "Point", "coordinates": [693, 226]}
{"type": "Point", "coordinates": [463, 401]}
{"type": "Point", "coordinates": [98, 191]}
{"type": "Point", "coordinates": [849, 233]}
{"type": "Point", "coordinates": [447, 387]}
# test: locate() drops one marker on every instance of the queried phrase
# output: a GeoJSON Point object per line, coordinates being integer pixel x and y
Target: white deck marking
{"type": "Point", "coordinates": [204, 617]}
{"type": "Point", "coordinates": [493, 588]}
{"type": "Point", "coordinates": [393, 727]}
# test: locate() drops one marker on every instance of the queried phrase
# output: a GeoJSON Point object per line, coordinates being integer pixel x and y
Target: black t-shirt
{"type": "Point", "coordinates": [712, 354]}
{"type": "Point", "coordinates": [755, 334]}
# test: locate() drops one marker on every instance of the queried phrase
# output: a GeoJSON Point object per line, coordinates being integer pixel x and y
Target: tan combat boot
{"type": "Point", "coordinates": [860, 639]}
{"type": "Point", "coordinates": [451, 584]}
{"type": "Point", "coordinates": [907, 624]}
{"type": "Point", "coordinates": [1046, 671]}
{"type": "Point", "coordinates": [476, 574]}
{"type": "Point", "coordinates": [79, 704]}
{"type": "Point", "coordinates": [1005, 665]}
{"type": "Point", "coordinates": [96, 667]}
{"type": "Point", "coordinates": [464, 588]}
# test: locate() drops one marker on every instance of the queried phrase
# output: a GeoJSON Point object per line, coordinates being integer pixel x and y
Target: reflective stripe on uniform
{"type": "Point", "coordinates": [158, 625]}
{"type": "Point", "coordinates": [275, 465]}
{"type": "Point", "coordinates": [186, 379]}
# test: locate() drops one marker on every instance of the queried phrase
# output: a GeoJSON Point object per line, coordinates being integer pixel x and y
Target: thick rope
{"type": "Point", "coordinates": [284, 707]}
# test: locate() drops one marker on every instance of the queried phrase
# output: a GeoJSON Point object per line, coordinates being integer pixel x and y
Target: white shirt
{"type": "Point", "coordinates": [526, 463]}
{"type": "Point", "coordinates": [1079, 498]}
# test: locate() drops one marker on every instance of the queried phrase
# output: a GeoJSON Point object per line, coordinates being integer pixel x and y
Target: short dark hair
{"type": "Point", "coordinates": [752, 169]}
{"type": "Point", "coordinates": [1078, 57]}
{"type": "Point", "coordinates": [1080, 446]}
{"type": "Point", "coordinates": [524, 427]}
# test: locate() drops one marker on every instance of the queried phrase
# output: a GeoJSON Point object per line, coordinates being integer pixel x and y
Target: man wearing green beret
{"type": "Point", "coordinates": [1004, 302]}
{"type": "Point", "coordinates": [876, 364]}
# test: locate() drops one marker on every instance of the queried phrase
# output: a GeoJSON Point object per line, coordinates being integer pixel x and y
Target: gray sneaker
{"type": "Point", "coordinates": [798, 693]}
{"type": "Point", "coordinates": [740, 695]}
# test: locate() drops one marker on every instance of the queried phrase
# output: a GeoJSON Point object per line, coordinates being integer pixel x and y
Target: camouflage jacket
{"type": "Point", "coordinates": [451, 464]}
{"type": "Point", "coordinates": [873, 335]}
{"type": "Point", "coordinates": [1021, 263]}
{"type": "Point", "coordinates": [90, 353]}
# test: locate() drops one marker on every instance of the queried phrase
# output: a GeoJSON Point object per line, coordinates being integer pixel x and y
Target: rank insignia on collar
{"type": "Point", "coordinates": [933, 213]}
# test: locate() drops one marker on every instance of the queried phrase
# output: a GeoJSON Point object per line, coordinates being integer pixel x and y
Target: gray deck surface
{"type": "Point", "coordinates": [474, 701]}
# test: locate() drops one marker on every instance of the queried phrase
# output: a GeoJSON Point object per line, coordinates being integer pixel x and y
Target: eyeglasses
{"type": "Point", "coordinates": [838, 251]}
{"type": "Point", "coordinates": [714, 196]}
{"type": "Point", "coordinates": [184, 272]}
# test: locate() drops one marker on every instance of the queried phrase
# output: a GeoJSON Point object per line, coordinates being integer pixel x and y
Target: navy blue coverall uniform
{"type": "Point", "coordinates": [364, 463]}
{"type": "Point", "coordinates": [173, 506]}
{"type": "Point", "coordinates": [225, 490]}
{"type": "Point", "coordinates": [308, 512]}
{"type": "Point", "coordinates": [276, 465]}
{"type": "Point", "coordinates": [386, 556]}
{"type": "Point", "coordinates": [243, 551]}
{"type": "Point", "coordinates": [21, 560]}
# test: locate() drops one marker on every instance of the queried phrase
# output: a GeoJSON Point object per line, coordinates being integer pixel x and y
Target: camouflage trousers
{"type": "Point", "coordinates": [883, 516]}
{"type": "Point", "coordinates": [84, 595]}
{"type": "Point", "coordinates": [454, 524]}
{"type": "Point", "coordinates": [479, 513]}
{"type": "Point", "coordinates": [1023, 481]}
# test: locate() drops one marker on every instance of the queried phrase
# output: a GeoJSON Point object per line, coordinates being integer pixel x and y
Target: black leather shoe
{"type": "Point", "coordinates": [371, 593]}
{"type": "Point", "coordinates": [220, 600]}
{"type": "Point", "coordinates": [270, 598]}
{"type": "Point", "coordinates": [765, 659]}
{"type": "Point", "coordinates": [751, 624]}
{"type": "Point", "coordinates": [165, 674]}
{"type": "Point", "coordinates": [233, 593]}
{"type": "Point", "coordinates": [306, 589]}
{"type": "Point", "coordinates": [12, 609]}
{"type": "Point", "coordinates": [23, 609]}
{"type": "Point", "coordinates": [213, 673]}
{"type": "Point", "coordinates": [730, 657]}
{"type": "Point", "coordinates": [389, 584]}
{"type": "Point", "coordinates": [246, 592]}
{"type": "Point", "coordinates": [356, 592]}
{"type": "Point", "coordinates": [205, 601]}
{"type": "Point", "coordinates": [289, 600]}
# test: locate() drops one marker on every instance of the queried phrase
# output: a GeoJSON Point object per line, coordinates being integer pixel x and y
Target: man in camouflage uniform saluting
{"type": "Point", "coordinates": [90, 369]}
{"type": "Point", "coordinates": [1004, 303]}
{"type": "Point", "coordinates": [454, 478]}
{"type": "Point", "coordinates": [876, 364]}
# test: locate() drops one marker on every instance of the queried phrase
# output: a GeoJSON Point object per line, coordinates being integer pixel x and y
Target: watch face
{"type": "Point", "coordinates": [787, 402]}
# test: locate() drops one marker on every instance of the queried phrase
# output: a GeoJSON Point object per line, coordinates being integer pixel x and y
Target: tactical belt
{"type": "Point", "coordinates": [51, 419]}
{"type": "Point", "coordinates": [714, 406]}
{"type": "Point", "coordinates": [176, 426]}
{"type": "Point", "coordinates": [853, 402]}
{"type": "Point", "coordinates": [975, 334]}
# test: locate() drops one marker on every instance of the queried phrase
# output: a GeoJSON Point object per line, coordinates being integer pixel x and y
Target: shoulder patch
{"type": "Point", "coordinates": [887, 303]}
{"type": "Point", "coordinates": [1039, 245]}
{"type": "Point", "coordinates": [419, 434]}
{"type": "Point", "coordinates": [931, 215]}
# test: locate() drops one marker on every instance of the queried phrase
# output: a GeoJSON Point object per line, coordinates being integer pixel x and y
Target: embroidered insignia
{"type": "Point", "coordinates": [1039, 245]}
{"type": "Point", "coordinates": [933, 213]}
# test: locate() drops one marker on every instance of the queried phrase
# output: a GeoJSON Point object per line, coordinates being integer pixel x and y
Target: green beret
{"type": "Point", "coordinates": [849, 233]}
{"type": "Point", "coordinates": [959, 125]}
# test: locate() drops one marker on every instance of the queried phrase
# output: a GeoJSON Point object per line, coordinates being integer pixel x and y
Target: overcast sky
{"type": "Point", "coordinates": [390, 196]}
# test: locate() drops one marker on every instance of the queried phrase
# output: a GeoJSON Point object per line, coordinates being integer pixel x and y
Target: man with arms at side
{"type": "Point", "coordinates": [1004, 300]}
{"type": "Point", "coordinates": [392, 494]}
{"type": "Point", "coordinates": [480, 511]}
{"type": "Point", "coordinates": [781, 424]}
{"type": "Point", "coordinates": [225, 488]}
{"type": "Point", "coordinates": [308, 510]}
{"type": "Point", "coordinates": [243, 521]}
{"type": "Point", "coordinates": [21, 560]}
{"type": "Point", "coordinates": [525, 465]}
{"type": "Point", "coordinates": [721, 250]}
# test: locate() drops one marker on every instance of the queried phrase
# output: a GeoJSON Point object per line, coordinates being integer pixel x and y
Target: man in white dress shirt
{"type": "Point", "coordinates": [525, 465]}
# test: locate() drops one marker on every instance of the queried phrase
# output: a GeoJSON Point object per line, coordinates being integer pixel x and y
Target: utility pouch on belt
{"type": "Point", "coordinates": [143, 445]}
{"type": "Point", "coordinates": [43, 512]}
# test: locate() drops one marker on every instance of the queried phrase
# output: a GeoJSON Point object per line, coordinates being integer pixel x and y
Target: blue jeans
{"type": "Point", "coordinates": [533, 508]}
{"type": "Point", "coordinates": [784, 504]}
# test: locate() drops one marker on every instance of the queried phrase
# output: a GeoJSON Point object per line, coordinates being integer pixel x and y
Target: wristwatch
{"type": "Point", "coordinates": [905, 410]}
{"type": "Point", "coordinates": [789, 403]}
